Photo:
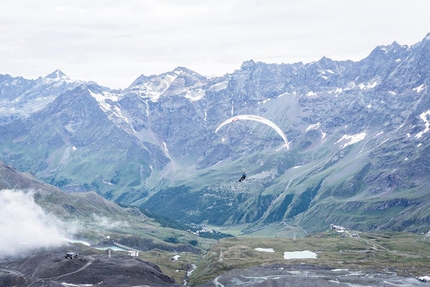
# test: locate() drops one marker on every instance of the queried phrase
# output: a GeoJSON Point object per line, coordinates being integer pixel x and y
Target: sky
{"type": "Point", "coordinates": [112, 42]}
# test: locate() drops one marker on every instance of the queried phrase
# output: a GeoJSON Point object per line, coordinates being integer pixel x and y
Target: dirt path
{"type": "Point", "coordinates": [79, 270]}
{"type": "Point", "coordinates": [11, 271]}
{"type": "Point", "coordinates": [64, 275]}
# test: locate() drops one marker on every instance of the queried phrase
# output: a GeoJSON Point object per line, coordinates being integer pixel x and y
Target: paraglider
{"type": "Point", "coordinates": [257, 119]}
{"type": "Point", "coordinates": [243, 177]}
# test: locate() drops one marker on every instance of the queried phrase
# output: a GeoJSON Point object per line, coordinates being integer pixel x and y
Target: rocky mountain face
{"type": "Point", "coordinates": [358, 134]}
{"type": "Point", "coordinates": [20, 97]}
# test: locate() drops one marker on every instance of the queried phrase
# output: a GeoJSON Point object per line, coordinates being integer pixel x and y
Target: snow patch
{"type": "Point", "coordinates": [369, 85]}
{"type": "Point", "coordinates": [176, 257]}
{"type": "Point", "coordinates": [335, 91]}
{"type": "Point", "coordinates": [165, 147]}
{"type": "Point", "coordinates": [313, 127]}
{"type": "Point", "coordinates": [420, 88]}
{"type": "Point", "coordinates": [265, 249]}
{"type": "Point", "coordinates": [147, 108]}
{"type": "Point", "coordinates": [195, 95]}
{"type": "Point", "coordinates": [351, 139]}
{"type": "Point", "coordinates": [323, 136]}
{"type": "Point", "coordinates": [154, 89]}
{"type": "Point", "coordinates": [107, 102]}
{"type": "Point", "coordinates": [423, 116]}
{"type": "Point", "coordinates": [285, 94]}
{"type": "Point", "coordinates": [75, 285]}
{"type": "Point", "coordinates": [172, 84]}
{"type": "Point", "coordinates": [300, 255]}
{"type": "Point", "coordinates": [104, 98]}
{"type": "Point", "coordinates": [424, 278]}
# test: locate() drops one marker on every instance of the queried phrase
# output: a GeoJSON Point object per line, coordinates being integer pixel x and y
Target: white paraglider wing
{"type": "Point", "coordinates": [257, 119]}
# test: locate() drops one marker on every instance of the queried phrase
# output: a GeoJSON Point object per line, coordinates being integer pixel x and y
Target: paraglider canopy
{"type": "Point", "coordinates": [257, 119]}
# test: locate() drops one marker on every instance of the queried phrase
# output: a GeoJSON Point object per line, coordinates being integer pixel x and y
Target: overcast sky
{"type": "Point", "coordinates": [112, 42]}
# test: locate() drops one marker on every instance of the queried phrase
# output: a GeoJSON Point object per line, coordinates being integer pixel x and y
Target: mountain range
{"type": "Point", "coordinates": [358, 137]}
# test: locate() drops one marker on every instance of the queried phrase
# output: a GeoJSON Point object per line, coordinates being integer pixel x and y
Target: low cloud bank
{"type": "Point", "coordinates": [24, 225]}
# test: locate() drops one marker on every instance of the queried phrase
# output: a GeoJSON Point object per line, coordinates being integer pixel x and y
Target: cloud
{"type": "Point", "coordinates": [113, 42]}
{"type": "Point", "coordinates": [25, 226]}
{"type": "Point", "coordinates": [108, 223]}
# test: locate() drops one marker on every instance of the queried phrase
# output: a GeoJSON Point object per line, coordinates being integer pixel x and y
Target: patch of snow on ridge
{"type": "Point", "coordinates": [195, 94]}
{"type": "Point", "coordinates": [106, 102]}
{"type": "Point", "coordinates": [370, 85]}
{"type": "Point", "coordinates": [265, 249]}
{"type": "Point", "coordinates": [313, 127]}
{"type": "Point", "coordinates": [172, 83]}
{"type": "Point", "coordinates": [263, 101]}
{"type": "Point", "coordinates": [165, 147]}
{"type": "Point", "coordinates": [102, 99]}
{"type": "Point", "coordinates": [323, 138]}
{"type": "Point", "coordinates": [351, 139]}
{"type": "Point", "coordinates": [55, 76]}
{"type": "Point", "coordinates": [423, 116]}
{"type": "Point", "coordinates": [336, 91]}
{"type": "Point", "coordinates": [156, 87]}
{"type": "Point", "coordinates": [420, 88]}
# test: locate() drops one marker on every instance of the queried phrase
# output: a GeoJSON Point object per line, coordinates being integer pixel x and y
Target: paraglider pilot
{"type": "Point", "coordinates": [243, 177]}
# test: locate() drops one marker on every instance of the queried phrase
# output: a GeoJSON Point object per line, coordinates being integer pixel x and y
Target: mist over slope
{"type": "Point", "coordinates": [26, 226]}
{"type": "Point", "coordinates": [358, 134]}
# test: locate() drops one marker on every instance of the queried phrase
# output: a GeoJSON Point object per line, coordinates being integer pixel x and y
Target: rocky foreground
{"type": "Point", "coordinates": [51, 268]}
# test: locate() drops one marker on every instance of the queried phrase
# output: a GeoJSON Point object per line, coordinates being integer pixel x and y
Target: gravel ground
{"type": "Point", "coordinates": [309, 276]}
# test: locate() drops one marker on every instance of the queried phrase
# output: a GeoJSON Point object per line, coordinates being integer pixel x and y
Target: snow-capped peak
{"type": "Point", "coordinates": [180, 81]}
{"type": "Point", "coordinates": [57, 75]}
